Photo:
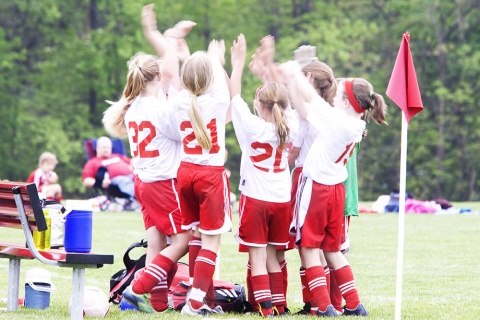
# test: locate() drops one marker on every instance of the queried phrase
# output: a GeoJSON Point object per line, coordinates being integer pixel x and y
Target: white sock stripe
{"type": "Point", "coordinates": [327, 271]}
{"type": "Point", "coordinates": [264, 291]}
{"type": "Point", "coordinates": [302, 273]}
{"type": "Point", "coordinates": [347, 284]}
{"type": "Point", "coordinates": [197, 243]}
{"type": "Point", "coordinates": [262, 296]}
{"type": "Point", "coordinates": [317, 281]}
{"type": "Point", "coordinates": [156, 271]}
{"type": "Point", "coordinates": [347, 289]}
{"type": "Point", "coordinates": [283, 264]}
{"type": "Point", "coordinates": [157, 287]}
{"type": "Point", "coordinates": [205, 260]}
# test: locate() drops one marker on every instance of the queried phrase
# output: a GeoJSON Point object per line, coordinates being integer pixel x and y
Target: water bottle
{"type": "Point", "coordinates": [42, 239]}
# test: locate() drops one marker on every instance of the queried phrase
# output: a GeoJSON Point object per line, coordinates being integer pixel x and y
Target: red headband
{"type": "Point", "coordinates": [351, 97]}
{"type": "Point", "coordinates": [258, 91]}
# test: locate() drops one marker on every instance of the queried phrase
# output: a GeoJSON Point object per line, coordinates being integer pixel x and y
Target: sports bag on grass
{"type": "Point", "coordinates": [230, 296]}
{"type": "Point", "coordinates": [122, 279]}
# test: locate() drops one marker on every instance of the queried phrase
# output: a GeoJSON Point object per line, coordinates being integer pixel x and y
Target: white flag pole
{"type": "Point", "coordinates": [401, 217]}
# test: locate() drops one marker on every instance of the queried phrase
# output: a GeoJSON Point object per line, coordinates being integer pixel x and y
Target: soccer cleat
{"type": "Point", "coordinates": [305, 310]}
{"type": "Point", "coordinates": [329, 312]}
{"type": "Point", "coordinates": [217, 309]}
{"type": "Point", "coordinates": [358, 311]}
{"type": "Point", "coordinates": [203, 311]}
{"type": "Point", "coordinates": [140, 301]}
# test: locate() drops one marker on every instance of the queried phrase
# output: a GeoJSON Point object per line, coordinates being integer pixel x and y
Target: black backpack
{"type": "Point", "coordinates": [122, 279]}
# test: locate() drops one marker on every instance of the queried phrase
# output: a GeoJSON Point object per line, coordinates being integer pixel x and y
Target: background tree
{"type": "Point", "coordinates": [60, 61]}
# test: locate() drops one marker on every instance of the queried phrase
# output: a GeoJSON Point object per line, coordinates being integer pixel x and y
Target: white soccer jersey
{"type": "Point", "coordinates": [213, 106]}
{"type": "Point", "coordinates": [337, 136]}
{"type": "Point", "coordinates": [264, 171]}
{"type": "Point", "coordinates": [304, 140]}
{"type": "Point", "coordinates": [169, 96]}
{"type": "Point", "coordinates": [154, 139]}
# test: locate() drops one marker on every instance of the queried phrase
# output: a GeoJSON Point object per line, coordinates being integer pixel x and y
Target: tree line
{"type": "Point", "coordinates": [60, 61]}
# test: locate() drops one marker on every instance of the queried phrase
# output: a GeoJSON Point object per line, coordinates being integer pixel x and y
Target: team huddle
{"type": "Point", "coordinates": [174, 111]}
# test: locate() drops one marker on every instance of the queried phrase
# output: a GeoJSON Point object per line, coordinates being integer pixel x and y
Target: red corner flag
{"type": "Point", "coordinates": [403, 86]}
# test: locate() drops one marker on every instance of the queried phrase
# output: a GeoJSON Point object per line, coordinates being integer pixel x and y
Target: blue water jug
{"type": "Point", "coordinates": [78, 231]}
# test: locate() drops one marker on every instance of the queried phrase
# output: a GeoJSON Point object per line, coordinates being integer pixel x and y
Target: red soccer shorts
{"type": "Point", "coordinates": [204, 193]}
{"type": "Point", "coordinates": [323, 220]}
{"type": "Point", "coordinates": [160, 205]}
{"type": "Point", "coordinates": [263, 222]}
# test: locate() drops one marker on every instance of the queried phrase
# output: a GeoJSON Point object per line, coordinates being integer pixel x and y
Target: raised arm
{"type": "Point", "coordinates": [238, 53]}
{"type": "Point", "coordinates": [171, 46]}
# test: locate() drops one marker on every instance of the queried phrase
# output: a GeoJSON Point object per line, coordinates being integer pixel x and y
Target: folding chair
{"type": "Point", "coordinates": [112, 193]}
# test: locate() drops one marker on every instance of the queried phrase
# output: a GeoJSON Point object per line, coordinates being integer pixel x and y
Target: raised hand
{"type": "Point", "coordinates": [305, 54]}
{"type": "Point", "coordinates": [216, 49]}
{"type": "Point", "coordinates": [181, 29]}
{"type": "Point", "coordinates": [267, 50]}
{"type": "Point", "coordinates": [149, 21]}
{"type": "Point", "coordinates": [256, 65]}
{"type": "Point", "coordinates": [238, 51]}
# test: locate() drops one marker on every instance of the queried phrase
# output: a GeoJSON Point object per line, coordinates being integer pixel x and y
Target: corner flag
{"type": "Point", "coordinates": [403, 86]}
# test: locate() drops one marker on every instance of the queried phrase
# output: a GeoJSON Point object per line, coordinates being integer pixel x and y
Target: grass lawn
{"type": "Point", "coordinates": [441, 266]}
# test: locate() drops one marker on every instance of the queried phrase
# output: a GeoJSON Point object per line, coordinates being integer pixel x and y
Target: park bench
{"type": "Point", "coordinates": [20, 208]}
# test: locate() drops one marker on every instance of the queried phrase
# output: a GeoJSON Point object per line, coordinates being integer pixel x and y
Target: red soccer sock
{"type": "Point", "coordinates": [210, 297]}
{"type": "Point", "coordinates": [335, 294]}
{"type": "Point", "coordinates": [306, 294]}
{"type": "Point", "coordinates": [262, 293]}
{"type": "Point", "coordinates": [171, 274]}
{"type": "Point", "coordinates": [276, 287]}
{"type": "Point", "coordinates": [283, 267]}
{"type": "Point", "coordinates": [194, 246]}
{"type": "Point", "coordinates": [159, 296]}
{"type": "Point", "coordinates": [248, 281]}
{"type": "Point", "coordinates": [318, 288]}
{"type": "Point", "coordinates": [156, 271]}
{"type": "Point", "coordinates": [203, 277]}
{"type": "Point", "coordinates": [327, 277]}
{"type": "Point", "coordinates": [346, 284]}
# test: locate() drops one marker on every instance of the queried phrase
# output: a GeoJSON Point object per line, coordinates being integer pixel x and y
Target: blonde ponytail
{"type": "Point", "coordinates": [281, 125]}
{"type": "Point", "coordinates": [199, 128]}
{"type": "Point", "coordinates": [113, 119]}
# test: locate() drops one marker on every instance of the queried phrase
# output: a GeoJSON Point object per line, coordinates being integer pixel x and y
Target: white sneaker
{"type": "Point", "coordinates": [188, 310]}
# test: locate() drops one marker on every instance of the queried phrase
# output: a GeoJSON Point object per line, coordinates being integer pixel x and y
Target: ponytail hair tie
{"type": "Point", "coordinates": [331, 79]}
{"type": "Point", "coordinates": [371, 94]}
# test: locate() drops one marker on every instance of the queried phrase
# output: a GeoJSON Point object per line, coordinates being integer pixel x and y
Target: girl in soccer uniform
{"type": "Point", "coordinates": [321, 78]}
{"type": "Point", "coordinates": [201, 114]}
{"type": "Point", "coordinates": [155, 148]}
{"type": "Point", "coordinates": [372, 106]}
{"type": "Point", "coordinates": [319, 225]}
{"type": "Point", "coordinates": [264, 181]}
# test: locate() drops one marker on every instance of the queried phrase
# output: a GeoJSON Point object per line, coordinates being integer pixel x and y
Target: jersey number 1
{"type": "Point", "coordinates": [211, 126]}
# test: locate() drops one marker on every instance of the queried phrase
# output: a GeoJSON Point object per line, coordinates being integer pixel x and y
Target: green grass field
{"type": "Point", "coordinates": [441, 266]}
